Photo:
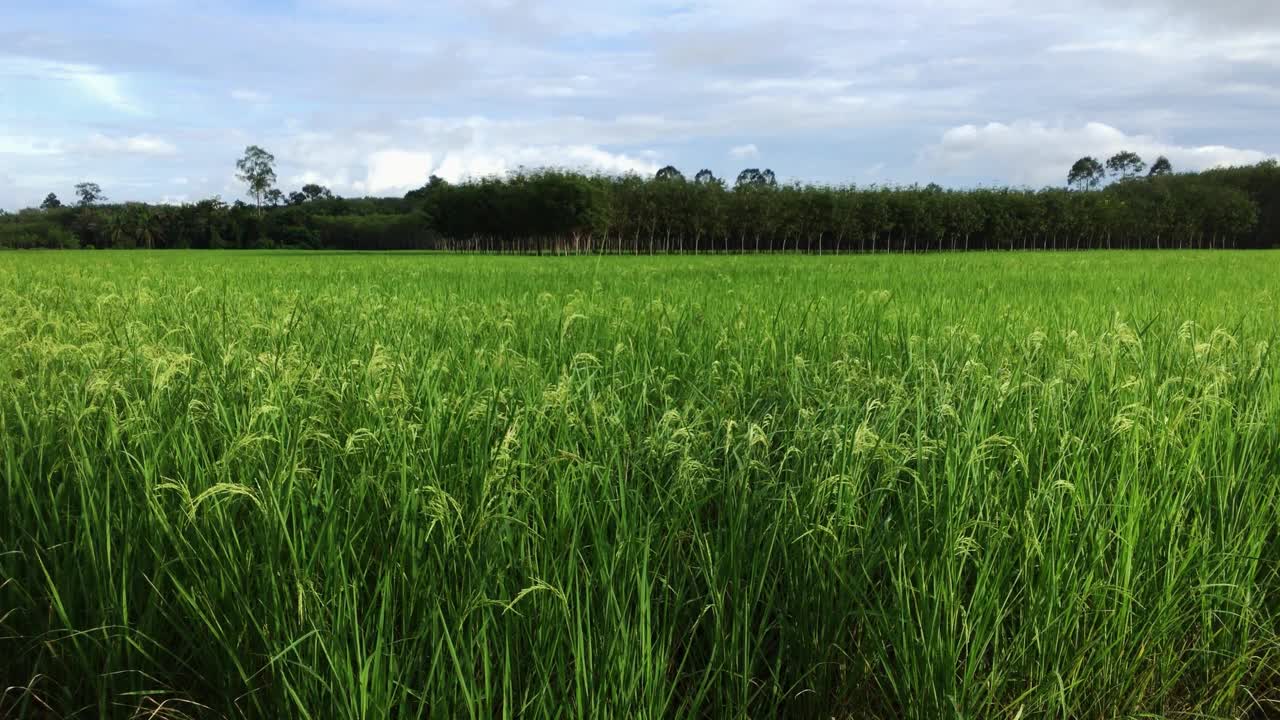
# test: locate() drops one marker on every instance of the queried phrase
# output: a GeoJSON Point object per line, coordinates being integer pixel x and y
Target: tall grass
{"type": "Point", "coordinates": [405, 486]}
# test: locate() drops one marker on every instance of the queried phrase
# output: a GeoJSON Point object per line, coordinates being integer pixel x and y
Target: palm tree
{"type": "Point", "coordinates": [116, 227]}
{"type": "Point", "coordinates": [143, 221]}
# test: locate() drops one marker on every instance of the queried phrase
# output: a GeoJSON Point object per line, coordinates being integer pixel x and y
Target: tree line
{"type": "Point", "coordinates": [555, 211]}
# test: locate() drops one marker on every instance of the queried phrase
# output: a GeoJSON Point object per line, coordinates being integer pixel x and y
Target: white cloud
{"type": "Point", "coordinates": [400, 170]}
{"type": "Point", "coordinates": [131, 145]}
{"type": "Point", "coordinates": [552, 91]}
{"type": "Point", "coordinates": [89, 80]}
{"type": "Point", "coordinates": [743, 152]}
{"type": "Point", "coordinates": [8, 193]}
{"type": "Point", "coordinates": [576, 86]}
{"type": "Point", "coordinates": [396, 170]}
{"type": "Point", "coordinates": [404, 154]}
{"type": "Point", "coordinates": [339, 179]}
{"type": "Point", "coordinates": [1182, 48]}
{"type": "Point", "coordinates": [1032, 153]}
{"type": "Point", "coordinates": [762, 86]}
{"type": "Point", "coordinates": [1218, 14]}
{"type": "Point", "coordinates": [15, 144]}
{"type": "Point", "coordinates": [252, 97]}
{"type": "Point", "coordinates": [588, 157]}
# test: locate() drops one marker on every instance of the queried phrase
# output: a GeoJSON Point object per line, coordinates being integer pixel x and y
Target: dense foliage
{"type": "Point", "coordinates": [552, 211]}
{"type": "Point", "coordinates": [280, 485]}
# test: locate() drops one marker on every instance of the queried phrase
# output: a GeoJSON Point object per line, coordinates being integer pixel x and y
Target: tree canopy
{"type": "Point", "coordinates": [1086, 174]}
{"type": "Point", "coordinates": [89, 194]}
{"type": "Point", "coordinates": [256, 169]}
{"type": "Point", "coordinates": [1125, 164]}
{"type": "Point", "coordinates": [669, 173]}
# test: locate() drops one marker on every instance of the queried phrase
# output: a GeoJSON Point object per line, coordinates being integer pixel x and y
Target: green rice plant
{"type": "Point", "coordinates": [420, 486]}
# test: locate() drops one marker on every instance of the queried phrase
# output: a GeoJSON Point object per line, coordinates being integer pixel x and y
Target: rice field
{"type": "Point", "coordinates": [422, 486]}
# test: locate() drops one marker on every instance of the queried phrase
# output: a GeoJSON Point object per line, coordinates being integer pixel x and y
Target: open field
{"type": "Point", "coordinates": [371, 486]}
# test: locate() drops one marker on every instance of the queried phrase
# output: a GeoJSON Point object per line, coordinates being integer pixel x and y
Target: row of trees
{"type": "Point", "coordinates": [327, 222]}
{"type": "Point", "coordinates": [562, 212]}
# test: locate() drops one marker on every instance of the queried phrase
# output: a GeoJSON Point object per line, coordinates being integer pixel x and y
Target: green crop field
{"type": "Point", "coordinates": [368, 486]}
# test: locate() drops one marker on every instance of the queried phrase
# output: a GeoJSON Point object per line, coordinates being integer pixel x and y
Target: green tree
{"type": "Point", "coordinates": [1125, 164]}
{"type": "Point", "coordinates": [51, 202]}
{"type": "Point", "coordinates": [143, 219]}
{"type": "Point", "coordinates": [257, 170]}
{"type": "Point", "coordinates": [90, 194]}
{"type": "Point", "coordinates": [754, 177]}
{"type": "Point", "coordinates": [1161, 166]}
{"type": "Point", "coordinates": [705, 177]}
{"type": "Point", "coordinates": [669, 173]}
{"type": "Point", "coordinates": [313, 191]}
{"type": "Point", "coordinates": [1086, 174]}
{"type": "Point", "coordinates": [116, 228]}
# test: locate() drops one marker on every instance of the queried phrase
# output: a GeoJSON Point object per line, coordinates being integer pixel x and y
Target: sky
{"type": "Point", "coordinates": [156, 99]}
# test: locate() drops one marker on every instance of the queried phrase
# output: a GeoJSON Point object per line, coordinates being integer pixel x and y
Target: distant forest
{"type": "Point", "coordinates": [1119, 204]}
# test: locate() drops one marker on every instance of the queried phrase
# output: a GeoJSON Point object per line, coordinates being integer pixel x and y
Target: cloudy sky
{"type": "Point", "coordinates": [155, 99]}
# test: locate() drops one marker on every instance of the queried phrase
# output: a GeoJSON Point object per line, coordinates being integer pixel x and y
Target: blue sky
{"type": "Point", "coordinates": [155, 99]}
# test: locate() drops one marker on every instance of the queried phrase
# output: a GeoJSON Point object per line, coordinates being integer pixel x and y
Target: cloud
{"type": "Point", "coordinates": [1221, 14]}
{"type": "Point", "coordinates": [397, 170]}
{"type": "Point", "coordinates": [12, 143]}
{"type": "Point", "coordinates": [363, 95]}
{"type": "Point", "coordinates": [132, 145]}
{"type": "Point", "coordinates": [403, 154]}
{"type": "Point", "coordinates": [89, 81]}
{"type": "Point", "coordinates": [8, 191]}
{"type": "Point", "coordinates": [251, 97]}
{"type": "Point", "coordinates": [1181, 48]}
{"type": "Point", "coordinates": [577, 86]}
{"type": "Point", "coordinates": [1035, 154]}
{"type": "Point", "coordinates": [743, 152]}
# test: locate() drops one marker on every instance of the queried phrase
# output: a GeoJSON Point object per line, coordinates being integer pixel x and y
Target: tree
{"type": "Point", "coordinates": [142, 219]}
{"type": "Point", "coordinates": [705, 177]}
{"type": "Point", "coordinates": [273, 197]}
{"type": "Point", "coordinates": [434, 184]}
{"type": "Point", "coordinates": [1125, 164]}
{"type": "Point", "coordinates": [1086, 174]}
{"type": "Point", "coordinates": [51, 202]}
{"type": "Point", "coordinates": [313, 191]}
{"type": "Point", "coordinates": [257, 170]}
{"type": "Point", "coordinates": [89, 194]}
{"type": "Point", "coordinates": [669, 173]}
{"type": "Point", "coordinates": [754, 177]}
{"type": "Point", "coordinates": [116, 229]}
{"type": "Point", "coordinates": [1161, 166]}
